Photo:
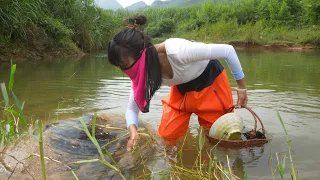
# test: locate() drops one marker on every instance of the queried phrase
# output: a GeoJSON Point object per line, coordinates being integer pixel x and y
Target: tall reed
{"type": "Point", "coordinates": [293, 171]}
{"type": "Point", "coordinates": [40, 140]}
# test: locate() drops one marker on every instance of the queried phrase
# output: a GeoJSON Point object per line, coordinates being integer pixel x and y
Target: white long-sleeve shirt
{"type": "Point", "coordinates": [188, 60]}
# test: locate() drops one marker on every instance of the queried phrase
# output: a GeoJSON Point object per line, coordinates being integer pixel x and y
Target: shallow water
{"type": "Point", "coordinates": [282, 81]}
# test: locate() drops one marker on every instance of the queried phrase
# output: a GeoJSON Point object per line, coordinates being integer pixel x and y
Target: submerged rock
{"type": "Point", "coordinates": [64, 143]}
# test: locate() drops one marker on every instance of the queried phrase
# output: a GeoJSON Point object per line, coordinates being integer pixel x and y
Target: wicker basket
{"type": "Point", "coordinates": [241, 143]}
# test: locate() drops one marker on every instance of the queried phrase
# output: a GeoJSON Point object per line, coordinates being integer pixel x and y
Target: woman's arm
{"type": "Point", "coordinates": [196, 51]}
{"type": "Point", "coordinates": [132, 111]}
{"type": "Point", "coordinates": [132, 121]}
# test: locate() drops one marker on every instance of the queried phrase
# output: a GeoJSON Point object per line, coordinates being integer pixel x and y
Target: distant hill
{"type": "Point", "coordinates": [158, 3]}
{"type": "Point", "coordinates": [109, 4]}
{"type": "Point", "coordinates": [171, 3]}
{"type": "Point", "coordinates": [114, 5]}
{"type": "Point", "coordinates": [137, 6]}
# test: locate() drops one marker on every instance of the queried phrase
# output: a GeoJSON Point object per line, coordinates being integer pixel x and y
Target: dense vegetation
{"type": "Point", "coordinates": [253, 21]}
{"type": "Point", "coordinates": [73, 26]}
{"type": "Point", "coordinates": [53, 25]}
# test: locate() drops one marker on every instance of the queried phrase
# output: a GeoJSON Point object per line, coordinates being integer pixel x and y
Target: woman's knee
{"type": "Point", "coordinates": [172, 132]}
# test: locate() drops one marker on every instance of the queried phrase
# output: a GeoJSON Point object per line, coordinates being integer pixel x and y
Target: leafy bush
{"type": "Point", "coordinates": [59, 22]}
{"type": "Point", "coordinates": [152, 30]}
{"type": "Point", "coordinates": [166, 26]}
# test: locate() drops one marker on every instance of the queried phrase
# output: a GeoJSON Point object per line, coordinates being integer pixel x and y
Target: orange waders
{"type": "Point", "coordinates": [208, 104]}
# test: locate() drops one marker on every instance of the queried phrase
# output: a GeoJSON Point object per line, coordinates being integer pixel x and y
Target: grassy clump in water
{"type": "Point", "coordinates": [202, 169]}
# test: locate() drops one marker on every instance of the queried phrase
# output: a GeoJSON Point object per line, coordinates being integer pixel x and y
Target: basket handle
{"type": "Point", "coordinates": [255, 116]}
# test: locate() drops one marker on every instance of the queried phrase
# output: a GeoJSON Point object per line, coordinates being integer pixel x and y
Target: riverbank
{"type": "Point", "coordinates": [29, 53]}
{"type": "Point", "coordinates": [278, 45]}
{"type": "Point", "coordinates": [273, 46]}
{"type": "Point", "coordinates": [48, 29]}
{"type": "Point", "coordinates": [33, 30]}
{"type": "Point", "coordinates": [25, 54]}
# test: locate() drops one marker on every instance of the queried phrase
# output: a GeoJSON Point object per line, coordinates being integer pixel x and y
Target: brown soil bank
{"type": "Point", "coordinates": [34, 54]}
{"type": "Point", "coordinates": [272, 46]}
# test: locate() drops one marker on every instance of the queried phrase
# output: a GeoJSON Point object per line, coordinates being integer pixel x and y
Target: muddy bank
{"type": "Point", "coordinates": [25, 54]}
{"type": "Point", "coordinates": [34, 54]}
{"type": "Point", "coordinates": [272, 46]}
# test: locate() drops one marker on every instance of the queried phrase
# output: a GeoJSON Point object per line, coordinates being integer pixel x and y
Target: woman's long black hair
{"type": "Point", "coordinates": [130, 41]}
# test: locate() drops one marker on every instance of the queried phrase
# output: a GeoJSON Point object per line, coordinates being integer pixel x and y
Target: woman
{"type": "Point", "coordinates": [199, 84]}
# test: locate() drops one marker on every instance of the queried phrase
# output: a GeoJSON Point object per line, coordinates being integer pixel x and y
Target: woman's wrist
{"type": "Point", "coordinates": [241, 84]}
{"type": "Point", "coordinates": [133, 132]}
{"type": "Point", "coordinates": [241, 89]}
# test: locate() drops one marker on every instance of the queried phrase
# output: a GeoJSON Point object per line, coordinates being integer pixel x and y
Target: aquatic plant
{"type": "Point", "coordinates": [12, 112]}
{"type": "Point", "coordinates": [40, 140]}
{"type": "Point", "coordinates": [201, 169]}
{"type": "Point", "coordinates": [92, 137]}
{"type": "Point", "coordinates": [282, 164]}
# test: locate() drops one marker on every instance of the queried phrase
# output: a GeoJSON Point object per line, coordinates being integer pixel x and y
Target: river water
{"type": "Point", "coordinates": [283, 81]}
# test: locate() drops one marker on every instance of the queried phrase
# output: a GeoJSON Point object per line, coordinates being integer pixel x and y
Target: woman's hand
{"type": "Point", "coordinates": [242, 98]}
{"type": "Point", "coordinates": [134, 137]}
{"type": "Point", "coordinates": [242, 94]}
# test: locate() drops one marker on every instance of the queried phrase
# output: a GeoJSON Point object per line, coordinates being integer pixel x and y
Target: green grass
{"type": "Point", "coordinates": [248, 21]}
{"type": "Point", "coordinates": [229, 32]}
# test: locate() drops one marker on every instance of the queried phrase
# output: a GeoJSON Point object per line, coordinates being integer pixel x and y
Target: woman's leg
{"type": "Point", "coordinates": [175, 120]}
{"type": "Point", "coordinates": [214, 100]}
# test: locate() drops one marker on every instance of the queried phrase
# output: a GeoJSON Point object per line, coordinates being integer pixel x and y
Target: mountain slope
{"type": "Point", "coordinates": [171, 3]}
{"type": "Point", "coordinates": [108, 4]}
{"type": "Point", "coordinates": [114, 5]}
{"type": "Point", "coordinates": [137, 6]}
